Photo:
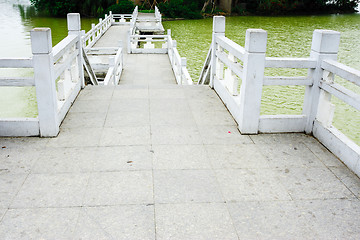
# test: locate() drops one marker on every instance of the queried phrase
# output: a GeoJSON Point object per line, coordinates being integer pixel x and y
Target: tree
{"type": "Point", "coordinates": [60, 8]}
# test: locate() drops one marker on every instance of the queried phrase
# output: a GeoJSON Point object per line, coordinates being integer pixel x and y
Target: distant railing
{"type": "Point", "coordinates": [58, 78]}
{"type": "Point", "coordinates": [158, 14]}
{"type": "Point", "coordinates": [121, 18]}
{"type": "Point", "coordinates": [96, 31]}
{"type": "Point", "coordinates": [115, 69]}
{"type": "Point", "coordinates": [148, 43]}
{"type": "Point", "coordinates": [231, 66]}
{"type": "Point", "coordinates": [178, 63]}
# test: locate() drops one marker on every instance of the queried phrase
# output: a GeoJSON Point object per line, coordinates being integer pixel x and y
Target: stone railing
{"type": "Point", "coordinates": [115, 68]}
{"type": "Point", "coordinates": [178, 63]}
{"type": "Point", "coordinates": [124, 19]}
{"type": "Point", "coordinates": [58, 78]}
{"type": "Point", "coordinates": [96, 31]}
{"type": "Point", "coordinates": [230, 64]}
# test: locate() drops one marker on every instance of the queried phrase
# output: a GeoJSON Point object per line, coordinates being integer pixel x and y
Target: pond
{"type": "Point", "coordinates": [288, 36]}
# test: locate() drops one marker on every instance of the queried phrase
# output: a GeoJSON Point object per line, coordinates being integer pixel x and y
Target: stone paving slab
{"type": "Point", "coordinates": [270, 220]}
{"type": "Point", "coordinates": [122, 187]}
{"type": "Point", "coordinates": [116, 222]}
{"type": "Point", "coordinates": [51, 190]}
{"type": "Point", "coordinates": [186, 186]}
{"type": "Point", "coordinates": [149, 159]}
{"type": "Point", "coordinates": [39, 223]}
{"type": "Point", "coordinates": [196, 221]}
{"type": "Point", "coordinates": [168, 157]}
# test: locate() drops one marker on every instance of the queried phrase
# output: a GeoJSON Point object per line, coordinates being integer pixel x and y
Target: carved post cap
{"type": "Point", "coordinates": [325, 41]}
{"type": "Point", "coordinates": [73, 22]}
{"type": "Point", "coordinates": [255, 40]}
{"type": "Point", "coordinates": [183, 61]}
{"type": "Point", "coordinates": [219, 24]}
{"type": "Point", "coordinates": [41, 42]}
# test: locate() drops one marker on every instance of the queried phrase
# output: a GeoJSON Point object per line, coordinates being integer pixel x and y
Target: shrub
{"type": "Point", "coordinates": [177, 9]}
{"type": "Point", "coordinates": [124, 6]}
{"type": "Point", "coordinates": [55, 8]}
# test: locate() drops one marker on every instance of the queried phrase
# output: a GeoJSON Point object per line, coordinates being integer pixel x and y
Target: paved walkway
{"type": "Point", "coordinates": [150, 159]}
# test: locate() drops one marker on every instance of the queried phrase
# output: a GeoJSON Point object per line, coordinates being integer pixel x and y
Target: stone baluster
{"type": "Point", "coordinates": [41, 45]}
{"type": "Point", "coordinates": [252, 81]}
{"type": "Point", "coordinates": [325, 45]}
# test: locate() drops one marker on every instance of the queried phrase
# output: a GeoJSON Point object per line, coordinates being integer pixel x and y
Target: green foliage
{"type": "Point", "coordinates": [59, 8]}
{"type": "Point", "coordinates": [147, 10]}
{"type": "Point", "coordinates": [283, 7]}
{"type": "Point", "coordinates": [180, 9]}
{"type": "Point", "coordinates": [124, 6]}
{"type": "Point", "coordinates": [240, 10]}
{"type": "Point", "coordinates": [54, 7]}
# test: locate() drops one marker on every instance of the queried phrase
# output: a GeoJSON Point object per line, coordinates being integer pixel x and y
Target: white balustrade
{"type": "Point", "coordinates": [58, 75]}
{"type": "Point", "coordinates": [248, 64]}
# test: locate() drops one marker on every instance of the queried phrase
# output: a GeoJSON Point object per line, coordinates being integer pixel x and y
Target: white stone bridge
{"type": "Point", "coordinates": [144, 154]}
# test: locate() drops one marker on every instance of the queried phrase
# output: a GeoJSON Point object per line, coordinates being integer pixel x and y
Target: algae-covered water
{"type": "Point", "coordinates": [17, 19]}
{"type": "Point", "coordinates": [287, 37]}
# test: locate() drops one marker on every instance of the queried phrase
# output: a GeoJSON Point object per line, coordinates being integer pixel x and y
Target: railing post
{"type": "Point", "coordinates": [41, 45]}
{"type": "Point", "coordinates": [100, 27]}
{"type": "Point", "coordinates": [111, 17]}
{"type": "Point", "coordinates": [107, 22]}
{"type": "Point", "coordinates": [182, 65]}
{"type": "Point", "coordinates": [218, 30]}
{"type": "Point", "coordinates": [252, 81]}
{"type": "Point", "coordinates": [93, 35]}
{"type": "Point", "coordinates": [112, 65]}
{"type": "Point", "coordinates": [74, 27]}
{"type": "Point", "coordinates": [121, 45]}
{"type": "Point", "coordinates": [325, 45]}
{"type": "Point", "coordinates": [174, 46]}
{"type": "Point", "coordinates": [326, 109]}
{"type": "Point", "coordinates": [129, 41]}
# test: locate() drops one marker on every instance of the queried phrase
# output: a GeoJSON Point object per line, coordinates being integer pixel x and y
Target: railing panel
{"type": "Point", "coordinates": [17, 81]}
{"type": "Point", "coordinates": [281, 123]}
{"type": "Point", "coordinates": [64, 46]}
{"type": "Point", "coordinates": [16, 63]}
{"type": "Point", "coordinates": [148, 43]}
{"type": "Point", "coordinates": [275, 62]}
{"type": "Point", "coordinates": [14, 127]}
{"type": "Point", "coordinates": [288, 81]}
{"type": "Point", "coordinates": [234, 67]}
{"type": "Point", "coordinates": [342, 93]}
{"type": "Point", "coordinates": [61, 67]}
{"type": "Point", "coordinates": [233, 48]}
{"type": "Point", "coordinates": [348, 73]}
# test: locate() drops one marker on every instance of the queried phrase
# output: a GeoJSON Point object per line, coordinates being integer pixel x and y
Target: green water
{"type": "Point", "coordinates": [287, 37]}
{"type": "Point", "coordinates": [18, 18]}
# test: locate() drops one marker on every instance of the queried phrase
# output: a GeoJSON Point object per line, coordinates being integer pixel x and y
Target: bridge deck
{"type": "Point", "coordinates": [150, 159]}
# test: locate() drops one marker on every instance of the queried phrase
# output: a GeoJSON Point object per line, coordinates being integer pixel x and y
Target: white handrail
{"type": "Point", "coordinates": [230, 61]}
{"type": "Point", "coordinates": [116, 66]}
{"type": "Point", "coordinates": [96, 31]}
{"type": "Point", "coordinates": [178, 63]}
{"type": "Point", "coordinates": [16, 63]}
{"type": "Point", "coordinates": [58, 78]}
